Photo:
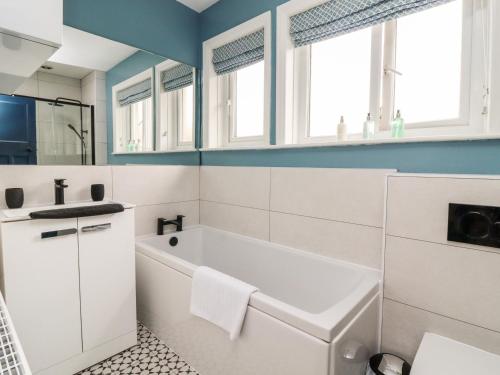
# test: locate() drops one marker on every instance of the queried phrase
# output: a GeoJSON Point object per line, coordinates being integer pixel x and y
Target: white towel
{"type": "Point", "coordinates": [220, 299]}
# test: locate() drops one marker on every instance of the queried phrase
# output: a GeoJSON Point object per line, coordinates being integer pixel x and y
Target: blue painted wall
{"type": "Point", "coordinates": [164, 27]}
{"type": "Point", "coordinates": [432, 157]}
{"type": "Point", "coordinates": [135, 64]}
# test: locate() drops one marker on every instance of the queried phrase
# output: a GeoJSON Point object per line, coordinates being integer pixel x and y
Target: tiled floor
{"type": "Point", "coordinates": [149, 356]}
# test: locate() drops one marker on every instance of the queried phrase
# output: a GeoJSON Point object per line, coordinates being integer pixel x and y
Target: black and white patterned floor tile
{"type": "Point", "coordinates": [149, 356]}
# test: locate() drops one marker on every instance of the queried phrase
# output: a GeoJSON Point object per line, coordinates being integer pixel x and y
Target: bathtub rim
{"type": "Point", "coordinates": [325, 325]}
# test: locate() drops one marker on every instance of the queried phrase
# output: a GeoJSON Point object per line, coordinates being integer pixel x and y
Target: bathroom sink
{"type": "Point", "coordinates": [77, 209]}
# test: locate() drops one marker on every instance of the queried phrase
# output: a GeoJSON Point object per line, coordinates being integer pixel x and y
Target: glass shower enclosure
{"type": "Point", "coordinates": [65, 132]}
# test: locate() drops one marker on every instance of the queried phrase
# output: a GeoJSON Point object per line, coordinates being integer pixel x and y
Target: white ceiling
{"type": "Point", "coordinates": [89, 51]}
{"type": "Point", "coordinates": [65, 70]}
{"type": "Point", "coordinates": [198, 5]}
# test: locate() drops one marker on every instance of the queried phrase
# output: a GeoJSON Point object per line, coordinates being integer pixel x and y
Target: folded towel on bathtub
{"type": "Point", "coordinates": [220, 299]}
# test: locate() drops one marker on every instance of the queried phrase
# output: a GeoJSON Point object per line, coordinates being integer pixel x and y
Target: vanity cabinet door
{"type": "Point", "coordinates": [41, 288]}
{"type": "Point", "coordinates": [107, 277]}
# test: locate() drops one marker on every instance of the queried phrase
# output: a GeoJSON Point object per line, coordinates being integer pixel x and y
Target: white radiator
{"type": "Point", "coordinates": [12, 358]}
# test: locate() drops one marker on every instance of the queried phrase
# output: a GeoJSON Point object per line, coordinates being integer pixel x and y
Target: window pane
{"type": "Point", "coordinates": [340, 83]}
{"type": "Point", "coordinates": [250, 101]}
{"type": "Point", "coordinates": [186, 127]}
{"type": "Point", "coordinates": [428, 53]}
{"type": "Point", "coordinates": [141, 126]}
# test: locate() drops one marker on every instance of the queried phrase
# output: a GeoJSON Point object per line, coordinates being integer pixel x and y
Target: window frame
{"type": "Point", "coordinates": [173, 141]}
{"type": "Point", "coordinates": [147, 74]}
{"type": "Point", "coordinates": [470, 122]}
{"type": "Point", "coordinates": [217, 119]}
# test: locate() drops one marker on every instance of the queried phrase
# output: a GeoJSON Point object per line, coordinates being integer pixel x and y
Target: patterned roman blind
{"type": "Point", "coordinates": [337, 17]}
{"type": "Point", "coordinates": [239, 53]}
{"type": "Point", "coordinates": [178, 77]}
{"type": "Point", "coordinates": [134, 93]}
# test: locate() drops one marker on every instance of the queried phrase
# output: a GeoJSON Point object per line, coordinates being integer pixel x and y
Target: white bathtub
{"type": "Point", "coordinates": [312, 315]}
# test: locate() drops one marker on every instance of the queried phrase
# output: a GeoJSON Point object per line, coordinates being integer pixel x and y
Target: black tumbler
{"type": "Point", "coordinates": [97, 192]}
{"type": "Point", "coordinates": [14, 197]}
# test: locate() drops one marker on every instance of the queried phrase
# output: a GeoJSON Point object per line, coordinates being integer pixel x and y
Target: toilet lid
{"type": "Point", "coordinates": [443, 356]}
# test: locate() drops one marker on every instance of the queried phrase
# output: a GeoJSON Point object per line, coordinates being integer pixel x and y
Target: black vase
{"type": "Point", "coordinates": [97, 192]}
{"type": "Point", "coordinates": [14, 197]}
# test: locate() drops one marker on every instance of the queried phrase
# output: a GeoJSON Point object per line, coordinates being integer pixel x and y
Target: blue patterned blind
{"type": "Point", "coordinates": [178, 77]}
{"type": "Point", "coordinates": [239, 53]}
{"type": "Point", "coordinates": [134, 93]}
{"type": "Point", "coordinates": [337, 17]}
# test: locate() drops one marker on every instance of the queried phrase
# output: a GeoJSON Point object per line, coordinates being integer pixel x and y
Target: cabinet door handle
{"type": "Point", "coordinates": [58, 233]}
{"type": "Point", "coordinates": [96, 228]}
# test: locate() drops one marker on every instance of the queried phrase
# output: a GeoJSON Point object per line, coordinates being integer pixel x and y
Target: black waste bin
{"type": "Point", "coordinates": [387, 364]}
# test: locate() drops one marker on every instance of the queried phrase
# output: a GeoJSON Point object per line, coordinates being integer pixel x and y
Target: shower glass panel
{"type": "Point", "coordinates": [64, 133]}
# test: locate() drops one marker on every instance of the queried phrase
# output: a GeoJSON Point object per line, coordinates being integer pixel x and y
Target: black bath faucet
{"type": "Point", "coordinates": [162, 222]}
{"type": "Point", "coordinates": [59, 190]}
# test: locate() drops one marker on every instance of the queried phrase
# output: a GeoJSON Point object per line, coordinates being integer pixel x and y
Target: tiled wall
{"type": "Point", "coordinates": [333, 212]}
{"type": "Point", "coordinates": [431, 284]}
{"type": "Point", "coordinates": [157, 191]}
{"type": "Point", "coordinates": [94, 93]}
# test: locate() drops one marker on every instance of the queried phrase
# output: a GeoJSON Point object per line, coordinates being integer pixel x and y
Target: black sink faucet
{"type": "Point", "coordinates": [162, 222]}
{"type": "Point", "coordinates": [59, 187]}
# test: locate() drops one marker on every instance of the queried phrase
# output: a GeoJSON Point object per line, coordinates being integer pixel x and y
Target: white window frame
{"type": "Point", "coordinates": [173, 142]}
{"type": "Point", "coordinates": [471, 121]}
{"type": "Point", "coordinates": [216, 124]}
{"type": "Point", "coordinates": [147, 74]}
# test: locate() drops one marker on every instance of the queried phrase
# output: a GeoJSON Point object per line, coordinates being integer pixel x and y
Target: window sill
{"type": "Point", "coordinates": [155, 152]}
{"type": "Point", "coordinates": [366, 142]}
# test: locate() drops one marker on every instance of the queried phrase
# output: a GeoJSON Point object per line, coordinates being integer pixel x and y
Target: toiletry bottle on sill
{"type": "Point", "coordinates": [341, 130]}
{"type": "Point", "coordinates": [369, 128]}
{"type": "Point", "coordinates": [398, 126]}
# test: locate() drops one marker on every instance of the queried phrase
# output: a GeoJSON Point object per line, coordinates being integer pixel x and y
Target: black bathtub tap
{"type": "Point", "coordinates": [162, 222]}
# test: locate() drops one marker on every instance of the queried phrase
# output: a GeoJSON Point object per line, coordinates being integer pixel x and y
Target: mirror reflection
{"type": "Point", "coordinates": [93, 92]}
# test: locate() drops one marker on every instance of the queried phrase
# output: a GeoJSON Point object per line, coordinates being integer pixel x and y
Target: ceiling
{"type": "Point", "coordinates": [65, 70]}
{"type": "Point", "coordinates": [84, 50]}
{"type": "Point", "coordinates": [198, 5]}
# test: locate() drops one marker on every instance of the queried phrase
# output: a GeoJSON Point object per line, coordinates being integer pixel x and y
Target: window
{"type": "Point", "coordinates": [421, 64]}
{"type": "Point", "coordinates": [429, 86]}
{"type": "Point", "coordinates": [176, 106]}
{"type": "Point", "coordinates": [244, 111]}
{"type": "Point", "coordinates": [237, 86]}
{"type": "Point", "coordinates": [133, 123]}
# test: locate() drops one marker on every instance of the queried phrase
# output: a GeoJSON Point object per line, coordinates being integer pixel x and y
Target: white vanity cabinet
{"type": "Point", "coordinates": [69, 285]}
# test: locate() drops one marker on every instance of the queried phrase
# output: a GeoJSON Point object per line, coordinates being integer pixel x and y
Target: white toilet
{"type": "Point", "coordinates": [439, 355]}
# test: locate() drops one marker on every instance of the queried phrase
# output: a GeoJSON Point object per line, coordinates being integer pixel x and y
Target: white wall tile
{"type": "Point", "coordinates": [417, 207]}
{"type": "Point", "coordinates": [101, 132]}
{"type": "Point", "coordinates": [100, 88]}
{"type": "Point", "coordinates": [404, 327]}
{"type": "Point", "coordinates": [152, 184]}
{"type": "Point", "coordinates": [89, 79]}
{"type": "Point", "coordinates": [28, 88]}
{"type": "Point", "coordinates": [452, 281]}
{"type": "Point", "coordinates": [244, 186]}
{"type": "Point", "coordinates": [53, 90]}
{"type": "Point", "coordinates": [38, 182]}
{"type": "Point", "coordinates": [60, 80]}
{"type": "Point", "coordinates": [349, 195]}
{"type": "Point", "coordinates": [350, 242]}
{"type": "Point", "coordinates": [146, 216]}
{"type": "Point", "coordinates": [243, 220]}
{"type": "Point", "coordinates": [100, 111]}
{"type": "Point", "coordinates": [101, 153]}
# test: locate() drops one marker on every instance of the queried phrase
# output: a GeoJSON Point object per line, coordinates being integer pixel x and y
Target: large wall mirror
{"type": "Point", "coordinates": [95, 96]}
